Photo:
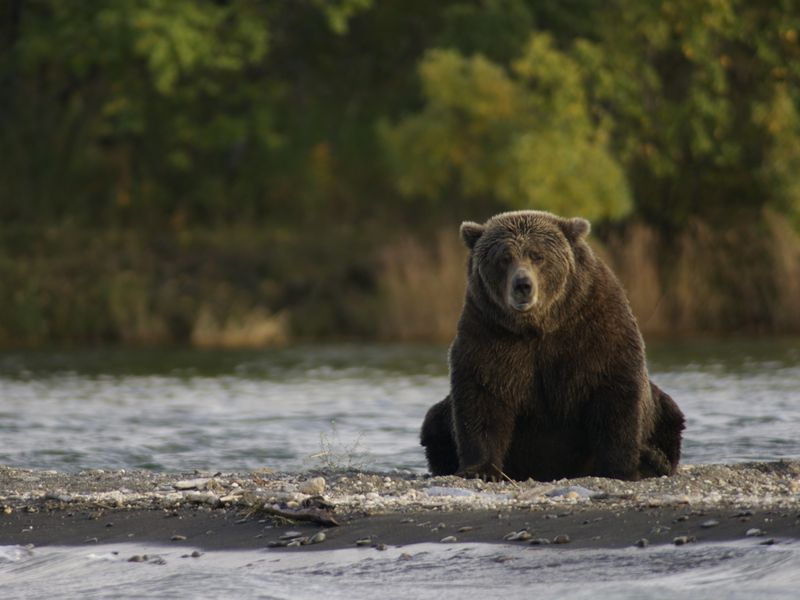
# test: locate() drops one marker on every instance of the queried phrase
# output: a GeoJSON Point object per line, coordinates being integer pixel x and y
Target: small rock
{"type": "Point", "coordinates": [754, 532]}
{"type": "Point", "coordinates": [290, 535]}
{"type": "Point", "coordinates": [312, 487]}
{"type": "Point", "coordinates": [190, 484]}
{"type": "Point", "coordinates": [381, 547]}
{"type": "Point", "coordinates": [202, 497]}
{"type": "Point", "coordinates": [136, 558]}
{"type": "Point", "coordinates": [683, 539]}
{"type": "Point", "coordinates": [317, 538]}
{"type": "Point", "coordinates": [196, 554]}
{"type": "Point", "coordinates": [540, 542]}
{"type": "Point", "coordinates": [405, 556]}
{"type": "Point", "coordinates": [642, 543]}
{"type": "Point", "coordinates": [277, 543]}
{"type": "Point", "coordinates": [465, 528]}
{"type": "Point", "coordinates": [522, 535]}
{"type": "Point", "coordinates": [768, 542]}
{"type": "Point", "coordinates": [449, 539]}
{"type": "Point", "coordinates": [295, 543]}
{"type": "Point", "coordinates": [178, 538]}
{"type": "Point", "coordinates": [561, 539]}
{"type": "Point", "coordinates": [364, 542]}
{"type": "Point", "coordinates": [708, 524]}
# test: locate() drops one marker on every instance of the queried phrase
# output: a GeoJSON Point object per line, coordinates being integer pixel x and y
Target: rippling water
{"type": "Point", "coordinates": [729, 571]}
{"type": "Point", "coordinates": [360, 406]}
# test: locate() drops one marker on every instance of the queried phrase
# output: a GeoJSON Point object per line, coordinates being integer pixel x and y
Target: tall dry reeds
{"type": "Point", "coordinates": [423, 288]}
{"type": "Point", "coordinates": [734, 280]}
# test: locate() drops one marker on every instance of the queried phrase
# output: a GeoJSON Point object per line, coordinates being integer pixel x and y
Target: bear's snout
{"type": "Point", "coordinates": [521, 290]}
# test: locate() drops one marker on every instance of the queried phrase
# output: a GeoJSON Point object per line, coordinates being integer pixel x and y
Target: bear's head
{"type": "Point", "coordinates": [523, 262]}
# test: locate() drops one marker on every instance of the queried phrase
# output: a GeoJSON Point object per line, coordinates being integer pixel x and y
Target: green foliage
{"type": "Point", "coordinates": [309, 119]}
{"type": "Point", "coordinates": [339, 12]}
{"type": "Point", "coordinates": [525, 138]}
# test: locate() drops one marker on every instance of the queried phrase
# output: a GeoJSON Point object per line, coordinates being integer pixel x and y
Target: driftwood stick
{"type": "Point", "coordinates": [315, 516]}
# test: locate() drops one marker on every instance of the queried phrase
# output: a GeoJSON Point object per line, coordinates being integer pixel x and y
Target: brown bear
{"type": "Point", "coordinates": [547, 371]}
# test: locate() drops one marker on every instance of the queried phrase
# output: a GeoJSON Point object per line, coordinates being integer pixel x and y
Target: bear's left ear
{"type": "Point", "coordinates": [471, 232]}
{"type": "Point", "coordinates": [575, 229]}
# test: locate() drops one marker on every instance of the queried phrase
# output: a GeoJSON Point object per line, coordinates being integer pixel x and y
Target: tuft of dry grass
{"type": "Point", "coordinates": [423, 288]}
{"type": "Point", "coordinates": [743, 279]}
{"type": "Point", "coordinates": [255, 328]}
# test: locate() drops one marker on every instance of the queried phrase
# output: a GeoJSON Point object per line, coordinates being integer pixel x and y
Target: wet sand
{"type": "Point", "coordinates": [709, 503]}
{"type": "Point", "coordinates": [227, 529]}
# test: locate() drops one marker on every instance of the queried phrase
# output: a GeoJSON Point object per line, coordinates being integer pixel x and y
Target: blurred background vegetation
{"type": "Point", "coordinates": [250, 172]}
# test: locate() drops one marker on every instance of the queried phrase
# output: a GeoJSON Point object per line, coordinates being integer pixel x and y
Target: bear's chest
{"type": "Point", "coordinates": [531, 378]}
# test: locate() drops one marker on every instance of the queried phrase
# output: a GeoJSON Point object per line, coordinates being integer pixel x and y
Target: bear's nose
{"type": "Point", "coordinates": [522, 286]}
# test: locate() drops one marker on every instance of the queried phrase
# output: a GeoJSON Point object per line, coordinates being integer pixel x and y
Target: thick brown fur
{"type": "Point", "coordinates": [548, 373]}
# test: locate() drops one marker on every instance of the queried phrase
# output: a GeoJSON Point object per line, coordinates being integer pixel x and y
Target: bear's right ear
{"type": "Point", "coordinates": [471, 233]}
{"type": "Point", "coordinates": [575, 229]}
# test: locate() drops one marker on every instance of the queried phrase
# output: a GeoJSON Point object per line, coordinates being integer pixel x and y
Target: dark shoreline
{"type": "Point", "coordinates": [230, 529]}
{"type": "Point", "coordinates": [701, 503]}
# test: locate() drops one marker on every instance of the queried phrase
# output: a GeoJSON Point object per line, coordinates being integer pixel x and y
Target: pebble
{"type": "Point", "coordinates": [708, 524]}
{"type": "Point", "coordinates": [364, 542]}
{"type": "Point", "coordinates": [313, 487]}
{"type": "Point", "coordinates": [290, 535]}
{"type": "Point", "coordinates": [138, 558]}
{"type": "Point", "coordinates": [642, 543]}
{"type": "Point", "coordinates": [295, 543]}
{"type": "Point", "coordinates": [189, 484]}
{"type": "Point", "coordinates": [449, 539]}
{"type": "Point", "coordinates": [561, 539]}
{"type": "Point", "coordinates": [683, 539]}
{"type": "Point", "coordinates": [405, 556]}
{"type": "Point", "coordinates": [522, 535]}
{"type": "Point", "coordinates": [178, 538]}
{"type": "Point", "coordinates": [540, 542]}
{"type": "Point", "coordinates": [196, 554]}
{"type": "Point", "coordinates": [381, 547]}
{"type": "Point", "coordinates": [317, 538]}
{"type": "Point", "coordinates": [202, 497]}
{"type": "Point", "coordinates": [465, 528]}
{"type": "Point", "coordinates": [754, 532]}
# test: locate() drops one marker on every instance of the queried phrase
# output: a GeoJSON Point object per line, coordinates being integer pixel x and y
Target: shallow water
{"type": "Point", "coordinates": [362, 406]}
{"type": "Point", "coordinates": [729, 571]}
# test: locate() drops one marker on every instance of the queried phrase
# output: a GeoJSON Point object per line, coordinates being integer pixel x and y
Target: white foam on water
{"type": "Point", "coordinates": [462, 571]}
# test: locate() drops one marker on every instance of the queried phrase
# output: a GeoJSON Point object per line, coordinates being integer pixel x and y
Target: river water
{"type": "Point", "coordinates": [361, 406]}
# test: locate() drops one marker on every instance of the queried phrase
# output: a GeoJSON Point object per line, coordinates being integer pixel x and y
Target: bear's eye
{"type": "Point", "coordinates": [536, 258]}
{"type": "Point", "coordinates": [505, 258]}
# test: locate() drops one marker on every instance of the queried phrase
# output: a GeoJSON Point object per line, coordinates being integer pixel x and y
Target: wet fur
{"type": "Point", "coordinates": [559, 391]}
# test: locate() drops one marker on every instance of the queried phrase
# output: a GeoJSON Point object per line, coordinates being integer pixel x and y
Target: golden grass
{"type": "Point", "coordinates": [743, 280]}
{"type": "Point", "coordinates": [423, 288]}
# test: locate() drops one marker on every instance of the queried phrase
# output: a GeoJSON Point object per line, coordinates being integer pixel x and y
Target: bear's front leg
{"type": "Point", "coordinates": [483, 428]}
{"type": "Point", "coordinates": [614, 427]}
